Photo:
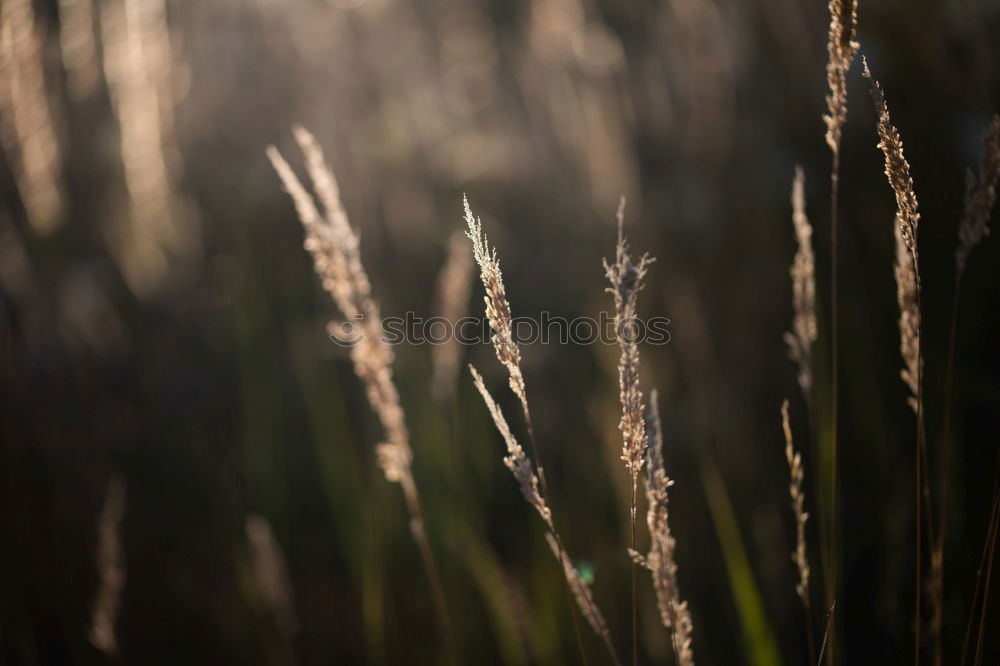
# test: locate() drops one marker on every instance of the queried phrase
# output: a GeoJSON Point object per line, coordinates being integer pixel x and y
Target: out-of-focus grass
{"type": "Point", "coordinates": [221, 396]}
{"type": "Point", "coordinates": [759, 642]}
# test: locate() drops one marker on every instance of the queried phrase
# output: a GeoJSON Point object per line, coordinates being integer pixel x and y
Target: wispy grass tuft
{"type": "Point", "coordinates": [799, 556]}
{"type": "Point", "coordinates": [626, 279]}
{"type": "Point", "coordinates": [980, 198]}
{"type": "Point", "coordinates": [516, 460]}
{"type": "Point", "coordinates": [501, 325]}
{"type": "Point", "coordinates": [907, 270]}
{"type": "Point", "coordinates": [626, 283]}
{"type": "Point", "coordinates": [803, 271]}
{"type": "Point", "coordinates": [660, 560]}
{"type": "Point", "coordinates": [841, 50]}
{"type": "Point", "coordinates": [498, 310]}
{"type": "Point", "coordinates": [335, 252]}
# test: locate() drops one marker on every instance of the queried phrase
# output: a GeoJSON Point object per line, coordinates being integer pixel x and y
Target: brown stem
{"type": "Point", "coordinates": [829, 629]}
{"type": "Point", "coordinates": [986, 585]}
{"type": "Point", "coordinates": [809, 630]}
{"type": "Point", "coordinates": [555, 533]}
{"type": "Point", "coordinates": [917, 576]}
{"type": "Point", "coordinates": [979, 571]}
{"type": "Point", "coordinates": [831, 573]}
{"type": "Point", "coordinates": [919, 477]}
{"type": "Point", "coordinates": [823, 554]}
{"type": "Point", "coordinates": [949, 384]}
{"type": "Point", "coordinates": [635, 621]}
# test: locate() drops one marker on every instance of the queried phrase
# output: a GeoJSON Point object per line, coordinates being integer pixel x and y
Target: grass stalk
{"type": "Point", "coordinates": [980, 198]}
{"type": "Point", "coordinates": [626, 278]}
{"type": "Point", "coordinates": [990, 529]}
{"type": "Point", "coordinates": [986, 585]}
{"type": "Point", "coordinates": [334, 247]}
{"type": "Point", "coordinates": [533, 486]}
{"type": "Point", "coordinates": [907, 271]}
{"type": "Point", "coordinates": [841, 50]}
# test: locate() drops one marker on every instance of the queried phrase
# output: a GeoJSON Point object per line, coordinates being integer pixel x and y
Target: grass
{"type": "Point", "coordinates": [603, 99]}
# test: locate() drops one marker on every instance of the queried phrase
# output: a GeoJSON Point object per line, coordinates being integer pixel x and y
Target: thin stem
{"type": "Point", "coordinates": [563, 553]}
{"type": "Point", "coordinates": [931, 538]}
{"type": "Point", "coordinates": [809, 632]}
{"type": "Point", "coordinates": [572, 605]}
{"type": "Point", "coordinates": [635, 621]}
{"type": "Point", "coordinates": [806, 605]}
{"type": "Point", "coordinates": [949, 385]}
{"type": "Point", "coordinates": [824, 556]}
{"type": "Point", "coordinates": [986, 585]}
{"type": "Point", "coordinates": [831, 573]}
{"type": "Point", "coordinates": [919, 476]}
{"type": "Point", "coordinates": [430, 565]}
{"type": "Point", "coordinates": [558, 538]}
{"type": "Point", "coordinates": [979, 572]}
{"type": "Point", "coordinates": [917, 576]}
{"type": "Point", "coordinates": [826, 634]}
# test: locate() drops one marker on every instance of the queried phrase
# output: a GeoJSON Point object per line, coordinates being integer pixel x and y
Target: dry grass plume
{"type": "Point", "coordinates": [803, 272]}
{"type": "Point", "coordinates": [907, 270]}
{"type": "Point", "coordinates": [841, 49]}
{"type": "Point", "coordinates": [660, 560]}
{"type": "Point", "coordinates": [980, 196]}
{"type": "Point", "coordinates": [516, 460]}
{"type": "Point", "coordinates": [798, 499]}
{"type": "Point", "coordinates": [535, 489]}
{"type": "Point", "coordinates": [626, 278]}
{"type": "Point", "coordinates": [337, 259]}
{"type": "Point", "coordinates": [497, 308]}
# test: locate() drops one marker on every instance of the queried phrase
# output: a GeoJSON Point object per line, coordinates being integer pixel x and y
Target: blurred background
{"type": "Point", "coordinates": [163, 334]}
